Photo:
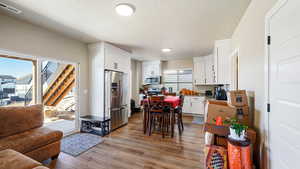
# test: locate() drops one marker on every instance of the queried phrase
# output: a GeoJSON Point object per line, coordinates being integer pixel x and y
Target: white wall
{"type": "Point", "coordinates": [22, 37]}
{"type": "Point", "coordinates": [136, 79]}
{"type": "Point", "coordinates": [249, 38]}
{"type": "Point", "coordinates": [139, 71]}
{"type": "Point", "coordinates": [134, 85]}
{"type": "Point", "coordinates": [96, 69]}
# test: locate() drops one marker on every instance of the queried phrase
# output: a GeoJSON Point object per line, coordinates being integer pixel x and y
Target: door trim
{"type": "Point", "coordinates": [235, 71]}
{"type": "Point", "coordinates": [268, 17]}
{"type": "Point", "coordinates": [17, 55]}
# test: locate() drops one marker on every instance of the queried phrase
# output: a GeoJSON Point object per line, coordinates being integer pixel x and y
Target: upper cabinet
{"type": "Point", "coordinates": [204, 71]}
{"type": "Point", "coordinates": [199, 70]}
{"type": "Point", "coordinates": [151, 69]}
{"type": "Point", "coordinates": [210, 70]}
{"type": "Point", "coordinates": [222, 61]}
{"type": "Point", "coordinates": [116, 58]}
{"type": "Point", "coordinates": [216, 68]}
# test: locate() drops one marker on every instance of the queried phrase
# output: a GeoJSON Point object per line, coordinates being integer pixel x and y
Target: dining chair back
{"type": "Point", "coordinates": [156, 102]}
{"type": "Point", "coordinates": [159, 114]}
{"type": "Point", "coordinates": [146, 115]}
{"type": "Point", "coordinates": [170, 94]}
{"type": "Point", "coordinates": [156, 98]}
{"type": "Point", "coordinates": [181, 97]}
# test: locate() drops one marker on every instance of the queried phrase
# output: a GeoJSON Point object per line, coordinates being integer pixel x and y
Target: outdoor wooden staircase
{"type": "Point", "coordinates": [60, 87]}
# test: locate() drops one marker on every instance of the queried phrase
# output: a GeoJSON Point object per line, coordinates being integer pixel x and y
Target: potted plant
{"type": "Point", "coordinates": [237, 130]}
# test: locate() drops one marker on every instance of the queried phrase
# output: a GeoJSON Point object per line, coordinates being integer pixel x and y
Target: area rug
{"type": "Point", "coordinates": [78, 143]}
{"type": "Point", "coordinates": [198, 120]}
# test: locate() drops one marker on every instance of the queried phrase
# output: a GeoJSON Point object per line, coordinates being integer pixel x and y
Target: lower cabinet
{"type": "Point", "coordinates": [193, 105]}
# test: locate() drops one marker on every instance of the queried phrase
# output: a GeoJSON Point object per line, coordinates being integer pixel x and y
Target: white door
{"type": "Point", "coordinates": [284, 85]}
{"type": "Point", "coordinates": [234, 80]}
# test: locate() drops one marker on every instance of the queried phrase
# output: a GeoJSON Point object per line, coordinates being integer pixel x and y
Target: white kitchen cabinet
{"type": "Point", "coordinates": [214, 69]}
{"type": "Point", "coordinates": [199, 70]}
{"type": "Point", "coordinates": [222, 61]}
{"type": "Point", "coordinates": [151, 69]}
{"type": "Point", "coordinates": [210, 70]}
{"type": "Point", "coordinates": [193, 105]}
{"type": "Point", "coordinates": [116, 58]}
{"type": "Point", "coordinates": [204, 72]}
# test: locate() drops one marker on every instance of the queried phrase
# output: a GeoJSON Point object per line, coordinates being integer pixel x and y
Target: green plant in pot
{"type": "Point", "coordinates": [237, 130]}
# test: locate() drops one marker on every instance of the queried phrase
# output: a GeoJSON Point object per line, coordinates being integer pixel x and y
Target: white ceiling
{"type": "Point", "coordinates": [189, 27]}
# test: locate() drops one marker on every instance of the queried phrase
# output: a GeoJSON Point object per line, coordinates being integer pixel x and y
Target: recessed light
{"type": "Point", "coordinates": [125, 9]}
{"type": "Point", "coordinates": [166, 50]}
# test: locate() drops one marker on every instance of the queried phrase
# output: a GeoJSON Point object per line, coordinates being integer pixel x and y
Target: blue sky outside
{"type": "Point", "coordinates": [15, 67]}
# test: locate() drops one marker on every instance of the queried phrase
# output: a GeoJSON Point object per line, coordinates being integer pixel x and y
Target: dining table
{"type": "Point", "coordinates": [174, 102]}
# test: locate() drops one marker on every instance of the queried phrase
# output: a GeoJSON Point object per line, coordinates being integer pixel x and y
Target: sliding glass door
{"type": "Point", "coordinates": [52, 83]}
{"type": "Point", "coordinates": [16, 81]}
{"type": "Point", "coordinates": [59, 95]}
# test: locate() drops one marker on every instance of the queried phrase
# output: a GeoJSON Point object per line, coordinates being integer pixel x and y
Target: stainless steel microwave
{"type": "Point", "coordinates": [153, 80]}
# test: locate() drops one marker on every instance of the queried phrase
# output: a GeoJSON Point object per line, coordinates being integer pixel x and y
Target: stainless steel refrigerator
{"type": "Point", "coordinates": [115, 99]}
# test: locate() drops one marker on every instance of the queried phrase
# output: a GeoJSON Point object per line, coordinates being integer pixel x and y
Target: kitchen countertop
{"type": "Point", "coordinates": [202, 95]}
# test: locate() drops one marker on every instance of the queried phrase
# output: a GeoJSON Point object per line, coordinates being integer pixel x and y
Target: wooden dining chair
{"type": "Point", "coordinates": [178, 114]}
{"type": "Point", "coordinates": [155, 111]}
{"type": "Point", "coordinates": [159, 114]}
{"type": "Point", "coordinates": [146, 115]}
{"type": "Point", "coordinates": [154, 99]}
{"type": "Point", "coordinates": [170, 94]}
{"type": "Point", "coordinates": [146, 112]}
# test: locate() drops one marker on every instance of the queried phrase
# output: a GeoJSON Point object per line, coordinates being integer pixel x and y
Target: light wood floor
{"type": "Point", "coordinates": [129, 148]}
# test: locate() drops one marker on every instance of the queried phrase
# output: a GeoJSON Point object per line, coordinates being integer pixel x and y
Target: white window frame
{"type": "Point", "coordinates": [177, 74]}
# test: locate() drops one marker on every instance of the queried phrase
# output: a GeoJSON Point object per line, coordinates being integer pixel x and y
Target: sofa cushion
{"type": "Point", "coordinates": [30, 140]}
{"type": "Point", "coordinates": [10, 159]}
{"type": "Point", "coordinates": [15, 120]}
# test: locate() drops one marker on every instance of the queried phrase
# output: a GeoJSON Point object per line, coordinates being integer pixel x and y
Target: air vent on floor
{"type": "Point", "coordinates": [10, 8]}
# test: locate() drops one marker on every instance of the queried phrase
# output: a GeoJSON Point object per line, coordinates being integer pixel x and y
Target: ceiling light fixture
{"type": "Point", "coordinates": [166, 50]}
{"type": "Point", "coordinates": [125, 9]}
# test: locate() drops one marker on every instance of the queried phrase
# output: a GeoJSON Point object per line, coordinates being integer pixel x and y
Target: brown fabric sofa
{"type": "Point", "coordinates": [10, 159]}
{"type": "Point", "coordinates": [21, 129]}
